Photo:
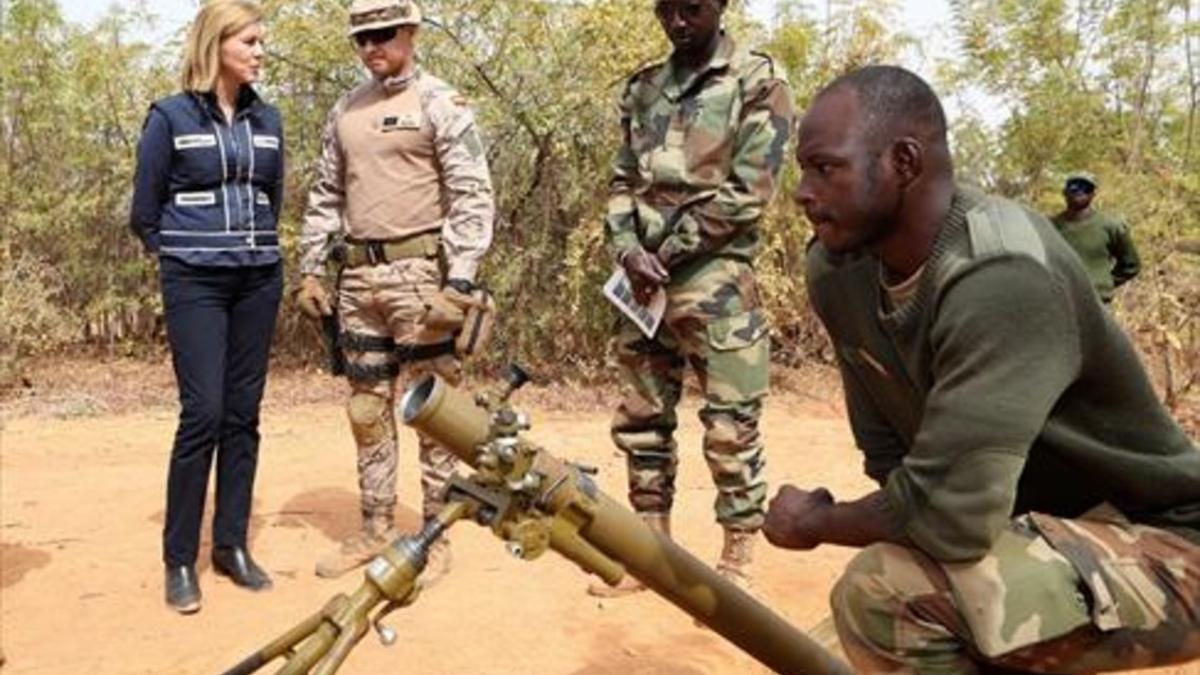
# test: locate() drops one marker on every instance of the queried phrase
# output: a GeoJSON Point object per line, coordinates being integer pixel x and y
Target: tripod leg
{"type": "Point", "coordinates": [286, 642]}
{"type": "Point", "coordinates": [322, 642]}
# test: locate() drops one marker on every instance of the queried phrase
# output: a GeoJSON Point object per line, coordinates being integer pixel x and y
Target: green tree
{"type": "Point", "coordinates": [1109, 86]}
{"type": "Point", "coordinates": [71, 106]}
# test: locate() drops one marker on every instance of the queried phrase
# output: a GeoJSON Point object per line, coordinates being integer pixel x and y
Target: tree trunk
{"type": "Point", "coordinates": [1193, 84]}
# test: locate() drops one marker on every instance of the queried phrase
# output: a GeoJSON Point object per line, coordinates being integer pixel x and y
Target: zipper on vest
{"type": "Point", "coordinates": [239, 218]}
{"type": "Point", "coordinates": [250, 180]}
{"type": "Point", "coordinates": [224, 175]}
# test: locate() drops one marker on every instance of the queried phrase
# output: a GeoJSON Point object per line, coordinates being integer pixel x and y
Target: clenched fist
{"type": "Point", "coordinates": [797, 519]}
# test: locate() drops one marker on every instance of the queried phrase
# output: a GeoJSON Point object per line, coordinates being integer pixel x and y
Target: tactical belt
{"type": "Point", "coordinates": [357, 252]}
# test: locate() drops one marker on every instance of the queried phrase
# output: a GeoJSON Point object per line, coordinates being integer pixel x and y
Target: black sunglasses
{"type": "Point", "coordinates": [377, 36]}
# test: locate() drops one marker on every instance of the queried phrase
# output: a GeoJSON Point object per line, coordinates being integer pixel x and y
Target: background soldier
{"type": "Point", "coordinates": [704, 140]}
{"type": "Point", "coordinates": [404, 179]}
{"type": "Point", "coordinates": [1101, 240]}
{"type": "Point", "coordinates": [984, 379]}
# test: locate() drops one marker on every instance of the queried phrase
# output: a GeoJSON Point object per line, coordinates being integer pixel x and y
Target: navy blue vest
{"type": "Point", "coordinates": [209, 192]}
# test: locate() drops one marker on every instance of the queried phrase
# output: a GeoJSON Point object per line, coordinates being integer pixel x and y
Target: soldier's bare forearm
{"type": "Point", "coordinates": [860, 523]}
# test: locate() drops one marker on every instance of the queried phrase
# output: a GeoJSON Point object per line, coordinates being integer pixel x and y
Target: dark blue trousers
{"type": "Point", "coordinates": [219, 324]}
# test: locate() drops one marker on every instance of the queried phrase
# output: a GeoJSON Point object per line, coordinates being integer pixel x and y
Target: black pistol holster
{"type": "Point", "coordinates": [331, 329]}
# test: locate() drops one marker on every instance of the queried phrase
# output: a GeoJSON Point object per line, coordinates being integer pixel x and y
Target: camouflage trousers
{"type": "Point", "coordinates": [386, 350]}
{"type": "Point", "coordinates": [713, 323]}
{"type": "Point", "coordinates": [1053, 596]}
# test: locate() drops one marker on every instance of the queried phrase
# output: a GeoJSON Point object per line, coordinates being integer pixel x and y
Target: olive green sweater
{"type": "Point", "coordinates": [1104, 246]}
{"type": "Point", "coordinates": [1003, 386]}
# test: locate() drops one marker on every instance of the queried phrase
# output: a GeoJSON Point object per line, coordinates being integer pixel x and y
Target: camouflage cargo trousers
{"type": "Point", "coordinates": [1053, 596]}
{"type": "Point", "coordinates": [386, 350]}
{"type": "Point", "coordinates": [712, 322]}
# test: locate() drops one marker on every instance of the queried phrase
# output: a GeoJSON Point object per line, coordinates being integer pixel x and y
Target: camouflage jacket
{"type": "Point", "coordinates": [465, 183]}
{"type": "Point", "coordinates": [700, 157]}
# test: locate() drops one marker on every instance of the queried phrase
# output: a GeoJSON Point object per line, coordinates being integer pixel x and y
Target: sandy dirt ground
{"type": "Point", "coordinates": [81, 511]}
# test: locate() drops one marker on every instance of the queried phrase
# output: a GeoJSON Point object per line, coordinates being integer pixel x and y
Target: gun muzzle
{"type": "Point", "coordinates": [456, 421]}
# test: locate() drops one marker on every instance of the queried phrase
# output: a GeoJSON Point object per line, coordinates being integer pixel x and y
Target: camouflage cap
{"type": "Point", "coordinates": [373, 14]}
{"type": "Point", "coordinates": [1082, 177]}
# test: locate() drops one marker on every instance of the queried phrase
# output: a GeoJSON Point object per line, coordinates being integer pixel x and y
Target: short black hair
{"type": "Point", "coordinates": [894, 100]}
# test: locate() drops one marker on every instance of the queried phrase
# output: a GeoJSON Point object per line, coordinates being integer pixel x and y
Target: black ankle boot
{"type": "Point", "coordinates": [183, 589]}
{"type": "Point", "coordinates": [235, 562]}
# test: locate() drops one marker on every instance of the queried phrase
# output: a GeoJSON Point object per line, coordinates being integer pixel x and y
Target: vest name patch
{"type": "Point", "coordinates": [193, 141]}
{"type": "Point", "coordinates": [195, 199]}
{"type": "Point", "coordinates": [400, 123]}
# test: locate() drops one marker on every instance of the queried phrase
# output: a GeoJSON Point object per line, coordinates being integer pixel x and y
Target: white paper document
{"type": "Point", "coordinates": [619, 292]}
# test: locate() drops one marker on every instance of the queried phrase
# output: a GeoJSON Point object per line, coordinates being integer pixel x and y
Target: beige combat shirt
{"type": "Point", "coordinates": [382, 143]}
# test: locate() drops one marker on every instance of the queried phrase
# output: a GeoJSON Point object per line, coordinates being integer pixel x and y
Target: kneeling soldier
{"type": "Point", "coordinates": [1038, 508]}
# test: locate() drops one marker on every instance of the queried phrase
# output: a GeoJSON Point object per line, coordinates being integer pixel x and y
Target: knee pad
{"type": "Point", "coordinates": [370, 417]}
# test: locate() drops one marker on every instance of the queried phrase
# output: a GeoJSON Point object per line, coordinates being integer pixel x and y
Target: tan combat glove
{"type": "Point", "coordinates": [312, 298]}
{"type": "Point", "coordinates": [465, 311]}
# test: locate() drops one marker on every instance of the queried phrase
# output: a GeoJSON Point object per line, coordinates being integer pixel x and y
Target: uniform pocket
{"type": "Point", "coordinates": [267, 165]}
{"type": "Point", "coordinates": [1021, 593]}
{"type": "Point", "coordinates": [1137, 575]}
{"type": "Point", "coordinates": [710, 128]}
{"type": "Point", "coordinates": [738, 357]}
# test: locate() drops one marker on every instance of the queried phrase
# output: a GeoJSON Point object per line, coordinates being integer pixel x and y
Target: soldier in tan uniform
{"type": "Point", "coordinates": [403, 202]}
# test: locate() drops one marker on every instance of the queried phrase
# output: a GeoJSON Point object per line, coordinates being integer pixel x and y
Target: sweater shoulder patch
{"type": "Point", "coordinates": [998, 226]}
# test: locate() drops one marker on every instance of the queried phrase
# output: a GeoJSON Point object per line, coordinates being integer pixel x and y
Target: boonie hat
{"type": "Point", "coordinates": [374, 14]}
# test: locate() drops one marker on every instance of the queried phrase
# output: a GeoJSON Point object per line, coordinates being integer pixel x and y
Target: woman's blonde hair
{"type": "Point", "coordinates": [216, 21]}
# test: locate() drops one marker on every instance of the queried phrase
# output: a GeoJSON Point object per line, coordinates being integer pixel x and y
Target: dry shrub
{"type": "Point", "coordinates": [32, 321]}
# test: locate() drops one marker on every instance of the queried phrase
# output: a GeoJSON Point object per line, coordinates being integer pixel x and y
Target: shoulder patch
{"type": "Point", "coordinates": [998, 226]}
{"type": "Point", "coordinates": [433, 87]}
{"type": "Point", "coordinates": [435, 93]}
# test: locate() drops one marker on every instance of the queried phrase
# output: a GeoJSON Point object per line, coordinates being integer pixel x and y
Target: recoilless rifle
{"type": "Point", "coordinates": [534, 502]}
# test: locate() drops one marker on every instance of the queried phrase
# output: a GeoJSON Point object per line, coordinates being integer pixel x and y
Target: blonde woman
{"type": "Point", "coordinates": [206, 201]}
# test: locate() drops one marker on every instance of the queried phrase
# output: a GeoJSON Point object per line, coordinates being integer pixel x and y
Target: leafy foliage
{"type": "Point", "coordinates": [1108, 86]}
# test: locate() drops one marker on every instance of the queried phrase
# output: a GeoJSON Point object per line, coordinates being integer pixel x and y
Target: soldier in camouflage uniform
{"type": "Point", "coordinates": [705, 136]}
{"type": "Point", "coordinates": [403, 181]}
{"type": "Point", "coordinates": [1038, 510]}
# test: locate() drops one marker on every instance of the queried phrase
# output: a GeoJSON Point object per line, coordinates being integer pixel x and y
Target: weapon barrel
{"type": "Point", "coordinates": [453, 418]}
